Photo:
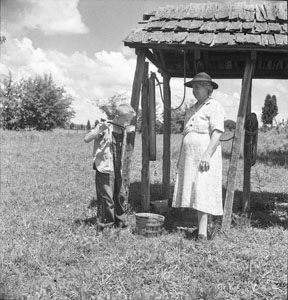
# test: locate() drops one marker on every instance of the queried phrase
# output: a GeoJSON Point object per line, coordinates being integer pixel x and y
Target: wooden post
{"type": "Point", "coordinates": [152, 118]}
{"type": "Point", "coordinates": [166, 137]}
{"type": "Point", "coordinates": [145, 176]}
{"type": "Point", "coordinates": [232, 172]}
{"type": "Point", "coordinates": [136, 88]}
{"type": "Point", "coordinates": [247, 168]}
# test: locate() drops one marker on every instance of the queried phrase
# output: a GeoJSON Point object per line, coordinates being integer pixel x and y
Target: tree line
{"type": "Point", "coordinates": [35, 103]}
{"type": "Point", "coordinates": [38, 103]}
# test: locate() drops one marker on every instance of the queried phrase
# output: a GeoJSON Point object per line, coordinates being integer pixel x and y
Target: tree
{"type": "Point", "coordinates": [269, 110]}
{"type": "Point", "coordinates": [10, 104]}
{"type": "Point", "coordinates": [88, 126]}
{"type": "Point", "coordinates": [38, 103]}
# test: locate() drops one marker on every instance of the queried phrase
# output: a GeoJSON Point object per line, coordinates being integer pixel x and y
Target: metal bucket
{"type": "Point", "coordinates": [149, 224]}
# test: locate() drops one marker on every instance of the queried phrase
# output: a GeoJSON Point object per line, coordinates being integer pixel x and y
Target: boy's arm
{"type": "Point", "coordinates": [95, 133]}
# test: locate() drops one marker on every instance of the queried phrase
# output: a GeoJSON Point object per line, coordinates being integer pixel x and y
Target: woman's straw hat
{"type": "Point", "coordinates": [200, 77]}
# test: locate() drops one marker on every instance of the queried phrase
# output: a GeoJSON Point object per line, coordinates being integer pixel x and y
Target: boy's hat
{"type": "Point", "coordinates": [201, 77]}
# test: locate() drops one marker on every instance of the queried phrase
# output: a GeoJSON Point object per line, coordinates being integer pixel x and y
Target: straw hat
{"type": "Point", "coordinates": [200, 77]}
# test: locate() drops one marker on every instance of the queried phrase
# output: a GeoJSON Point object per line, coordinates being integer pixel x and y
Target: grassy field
{"type": "Point", "coordinates": [47, 186]}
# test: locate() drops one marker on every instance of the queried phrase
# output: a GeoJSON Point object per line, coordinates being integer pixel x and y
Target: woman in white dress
{"type": "Point", "coordinates": [199, 169]}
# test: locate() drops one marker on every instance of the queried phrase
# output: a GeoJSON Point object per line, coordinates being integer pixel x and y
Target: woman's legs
{"type": "Point", "coordinates": [203, 222]}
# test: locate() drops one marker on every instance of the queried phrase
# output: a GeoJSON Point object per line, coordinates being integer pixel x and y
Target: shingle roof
{"type": "Point", "coordinates": [214, 25]}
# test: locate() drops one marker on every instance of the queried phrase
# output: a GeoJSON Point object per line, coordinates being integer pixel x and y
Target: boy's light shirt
{"type": "Point", "coordinates": [102, 154]}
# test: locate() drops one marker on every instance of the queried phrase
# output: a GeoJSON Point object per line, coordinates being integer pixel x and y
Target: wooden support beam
{"type": "Point", "coordinates": [232, 172]}
{"type": "Point", "coordinates": [166, 137]}
{"type": "Point", "coordinates": [145, 172]}
{"type": "Point", "coordinates": [247, 168]}
{"type": "Point", "coordinates": [155, 61]}
{"type": "Point", "coordinates": [136, 88]}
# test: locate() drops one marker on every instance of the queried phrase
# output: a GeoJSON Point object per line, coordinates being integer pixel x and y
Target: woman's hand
{"type": "Point", "coordinates": [204, 164]}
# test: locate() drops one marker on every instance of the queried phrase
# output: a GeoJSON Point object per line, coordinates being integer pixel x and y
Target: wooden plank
{"type": "Point", "coordinates": [156, 36]}
{"type": "Point", "coordinates": [260, 13]}
{"type": "Point", "coordinates": [135, 36]}
{"type": "Point", "coordinates": [248, 26]}
{"type": "Point", "coordinates": [145, 172]}
{"type": "Point", "coordinates": [195, 25]}
{"type": "Point", "coordinates": [136, 88]}
{"type": "Point", "coordinates": [237, 11]}
{"type": "Point", "coordinates": [155, 61]}
{"type": "Point", "coordinates": [193, 37]}
{"type": "Point", "coordinates": [183, 25]}
{"type": "Point", "coordinates": [152, 118]}
{"type": "Point", "coordinates": [253, 39]}
{"type": "Point", "coordinates": [282, 11]}
{"type": "Point", "coordinates": [274, 27]}
{"type": "Point", "coordinates": [206, 38]}
{"type": "Point", "coordinates": [234, 26]}
{"type": "Point", "coordinates": [267, 40]}
{"type": "Point", "coordinates": [166, 137]}
{"type": "Point", "coordinates": [249, 12]}
{"type": "Point", "coordinates": [223, 11]}
{"type": "Point", "coordinates": [261, 27]}
{"type": "Point", "coordinates": [270, 11]}
{"type": "Point", "coordinates": [280, 39]}
{"type": "Point", "coordinates": [180, 37]}
{"type": "Point", "coordinates": [211, 8]}
{"type": "Point", "coordinates": [195, 11]}
{"type": "Point", "coordinates": [221, 26]}
{"type": "Point", "coordinates": [232, 172]}
{"type": "Point", "coordinates": [208, 26]}
{"type": "Point", "coordinates": [247, 168]}
{"type": "Point", "coordinates": [170, 25]}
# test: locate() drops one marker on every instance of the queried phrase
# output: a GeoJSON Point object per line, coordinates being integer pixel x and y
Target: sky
{"type": "Point", "coordinates": [80, 43]}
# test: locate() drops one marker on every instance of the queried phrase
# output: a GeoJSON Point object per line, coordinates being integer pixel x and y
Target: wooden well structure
{"type": "Point", "coordinates": [228, 41]}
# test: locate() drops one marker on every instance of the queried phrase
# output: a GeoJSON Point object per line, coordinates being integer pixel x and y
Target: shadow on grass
{"type": "Point", "coordinates": [277, 158]}
{"type": "Point", "coordinates": [267, 209]}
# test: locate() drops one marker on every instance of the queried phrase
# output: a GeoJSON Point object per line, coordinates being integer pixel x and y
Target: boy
{"type": "Point", "coordinates": [109, 139]}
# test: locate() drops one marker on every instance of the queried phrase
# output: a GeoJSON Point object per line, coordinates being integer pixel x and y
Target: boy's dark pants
{"type": "Point", "coordinates": [111, 198]}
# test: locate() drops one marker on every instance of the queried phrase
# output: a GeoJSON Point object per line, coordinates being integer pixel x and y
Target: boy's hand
{"type": "Point", "coordinates": [104, 126]}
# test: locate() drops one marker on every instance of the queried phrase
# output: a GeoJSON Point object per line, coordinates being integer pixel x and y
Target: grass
{"type": "Point", "coordinates": [47, 184]}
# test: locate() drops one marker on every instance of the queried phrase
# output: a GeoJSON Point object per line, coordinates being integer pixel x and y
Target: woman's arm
{"type": "Point", "coordinates": [214, 142]}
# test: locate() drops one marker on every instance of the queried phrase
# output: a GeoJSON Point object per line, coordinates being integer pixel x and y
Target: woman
{"type": "Point", "coordinates": [199, 176]}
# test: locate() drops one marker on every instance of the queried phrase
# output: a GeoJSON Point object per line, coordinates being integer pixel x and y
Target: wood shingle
{"type": "Point", "coordinates": [210, 19]}
{"type": "Point", "coordinates": [216, 37]}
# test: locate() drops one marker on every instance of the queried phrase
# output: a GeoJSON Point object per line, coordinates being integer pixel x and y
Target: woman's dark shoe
{"type": "Point", "coordinates": [190, 234]}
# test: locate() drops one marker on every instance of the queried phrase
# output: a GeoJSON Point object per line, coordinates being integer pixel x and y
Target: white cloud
{"type": "Point", "coordinates": [51, 17]}
{"type": "Point", "coordinates": [85, 78]}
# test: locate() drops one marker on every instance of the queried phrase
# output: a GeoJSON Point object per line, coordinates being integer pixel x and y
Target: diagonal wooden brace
{"type": "Point", "coordinates": [232, 172]}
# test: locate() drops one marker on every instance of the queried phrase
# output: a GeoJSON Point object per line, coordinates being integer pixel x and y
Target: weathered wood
{"type": "Point", "coordinates": [152, 118]}
{"type": "Point", "coordinates": [136, 88]}
{"type": "Point", "coordinates": [166, 137]}
{"type": "Point", "coordinates": [155, 61]}
{"type": "Point", "coordinates": [247, 168]}
{"type": "Point", "coordinates": [145, 174]}
{"type": "Point", "coordinates": [232, 172]}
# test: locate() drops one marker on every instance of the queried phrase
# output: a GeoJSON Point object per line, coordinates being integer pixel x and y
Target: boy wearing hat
{"type": "Point", "coordinates": [109, 145]}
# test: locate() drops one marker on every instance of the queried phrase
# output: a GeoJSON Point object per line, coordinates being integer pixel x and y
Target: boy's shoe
{"type": "Point", "coordinates": [101, 226]}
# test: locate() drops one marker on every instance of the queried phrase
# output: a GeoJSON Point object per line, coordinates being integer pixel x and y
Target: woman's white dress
{"type": "Point", "coordinates": [195, 189]}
